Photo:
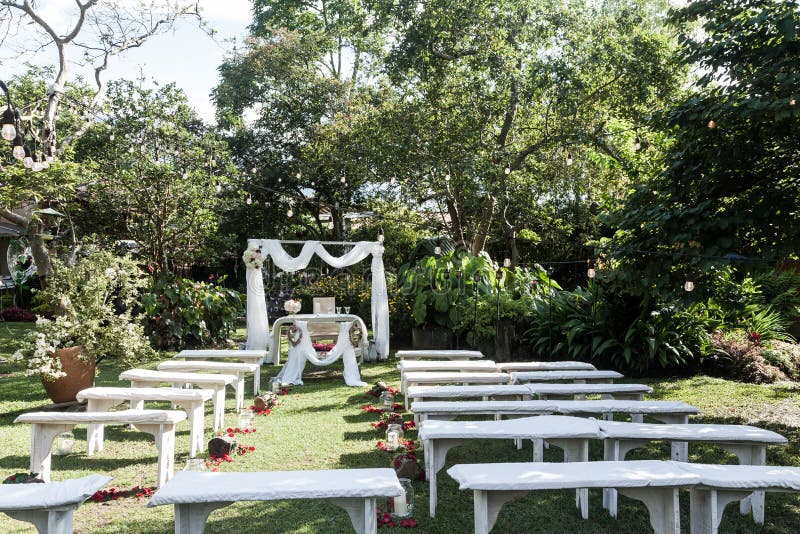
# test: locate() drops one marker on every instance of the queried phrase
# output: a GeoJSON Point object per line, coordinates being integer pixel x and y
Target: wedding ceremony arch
{"type": "Point", "coordinates": [259, 250]}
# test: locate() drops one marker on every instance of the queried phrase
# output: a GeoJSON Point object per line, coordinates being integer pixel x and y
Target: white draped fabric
{"type": "Point", "coordinates": [257, 319]}
{"type": "Point", "coordinates": [292, 372]}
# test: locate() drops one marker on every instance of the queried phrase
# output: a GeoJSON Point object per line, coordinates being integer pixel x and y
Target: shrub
{"type": "Point", "coordinates": [735, 356]}
{"type": "Point", "coordinates": [182, 312]}
{"type": "Point", "coordinates": [15, 314]}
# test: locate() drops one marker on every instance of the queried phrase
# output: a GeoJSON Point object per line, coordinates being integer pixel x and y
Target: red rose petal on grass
{"type": "Point", "coordinates": [229, 430]}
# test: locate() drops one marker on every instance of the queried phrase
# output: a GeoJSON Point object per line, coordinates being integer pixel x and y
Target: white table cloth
{"type": "Point", "coordinates": [289, 320]}
{"type": "Point", "coordinates": [292, 372]}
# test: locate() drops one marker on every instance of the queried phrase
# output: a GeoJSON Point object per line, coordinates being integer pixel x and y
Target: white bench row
{"type": "Point", "coordinates": [490, 366]}
{"type": "Point", "coordinates": [655, 483]}
{"type": "Point", "coordinates": [245, 356]}
{"type": "Point", "coordinates": [195, 495]}
{"type": "Point", "coordinates": [573, 434]}
{"type": "Point", "coordinates": [47, 425]}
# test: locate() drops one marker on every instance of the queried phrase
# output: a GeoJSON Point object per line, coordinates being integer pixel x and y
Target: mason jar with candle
{"type": "Point", "coordinates": [63, 444]}
{"type": "Point", "coordinates": [393, 434]}
{"type": "Point", "coordinates": [387, 399]}
{"type": "Point", "coordinates": [195, 464]}
{"type": "Point", "coordinates": [404, 504]}
{"type": "Point", "coordinates": [245, 419]}
{"type": "Point", "coordinates": [275, 385]}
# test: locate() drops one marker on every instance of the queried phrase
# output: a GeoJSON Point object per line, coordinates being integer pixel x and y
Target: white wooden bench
{"type": "Point", "coordinates": [664, 411]}
{"type": "Point", "coordinates": [438, 354]}
{"type": "Point", "coordinates": [414, 378]}
{"type": "Point", "coordinates": [101, 399]}
{"type": "Point", "coordinates": [485, 391]}
{"type": "Point", "coordinates": [47, 425]}
{"type": "Point", "coordinates": [568, 433]}
{"type": "Point", "coordinates": [486, 366]}
{"type": "Point", "coordinates": [244, 355]}
{"type": "Point", "coordinates": [748, 443]}
{"type": "Point", "coordinates": [49, 507]}
{"type": "Point", "coordinates": [545, 366]}
{"type": "Point", "coordinates": [142, 378]}
{"type": "Point", "coordinates": [521, 377]}
{"type": "Point", "coordinates": [195, 495]}
{"type": "Point", "coordinates": [579, 392]}
{"type": "Point", "coordinates": [655, 483]}
{"type": "Point", "coordinates": [237, 369]}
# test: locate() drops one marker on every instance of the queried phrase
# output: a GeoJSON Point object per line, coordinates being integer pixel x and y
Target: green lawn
{"type": "Point", "coordinates": [320, 425]}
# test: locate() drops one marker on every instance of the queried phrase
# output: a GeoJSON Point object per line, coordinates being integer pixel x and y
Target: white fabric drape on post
{"type": "Point", "coordinates": [257, 320]}
{"type": "Point", "coordinates": [292, 371]}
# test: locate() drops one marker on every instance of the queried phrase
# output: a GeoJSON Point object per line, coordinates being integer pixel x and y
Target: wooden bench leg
{"type": "Point", "coordinates": [96, 432]}
{"type": "Point", "coordinates": [58, 521]}
{"type": "Point", "coordinates": [164, 435]}
{"type": "Point", "coordinates": [362, 513]}
{"type": "Point", "coordinates": [488, 505]}
{"type": "Point", "coordinates": [257, 379]}
{"type": "Point", "coordinates": [219, 408]}
{"type": "Point", "coordinates": [195, 412]}
{"type": "Point", "coordinates": [191, 518]}
{"type": "Point", "coordinates": [707, 507]}
{"type": "Point", "coordinates": [662, 505]}
{"type": "Point", "coordinates": [42, 436]}
{"type": "Point", "coordinates": [435, 455]}
{"type": "Point", "coordinates": [750, 455]}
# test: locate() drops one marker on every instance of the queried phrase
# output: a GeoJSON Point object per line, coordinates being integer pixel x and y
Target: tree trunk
{"type": "Point", "coordinates": [479, 241]}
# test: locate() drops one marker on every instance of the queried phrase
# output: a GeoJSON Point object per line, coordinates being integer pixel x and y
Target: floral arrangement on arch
{"type": "Point", "coordinates": [252, 257]}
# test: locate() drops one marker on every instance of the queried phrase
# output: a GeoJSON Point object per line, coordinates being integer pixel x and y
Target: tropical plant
{"type": "Point", "coordinates": [181, 312]}
{"type": "Point", "coordinates": [92, 303]}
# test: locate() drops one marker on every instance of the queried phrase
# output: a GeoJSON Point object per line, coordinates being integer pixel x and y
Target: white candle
{"type": "Point", "coordinates": [392, 439]}
{"type": "Point", "coordinates": [400, 506]}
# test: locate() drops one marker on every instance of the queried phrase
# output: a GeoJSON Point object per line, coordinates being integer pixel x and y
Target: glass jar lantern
{"type": "Point", "coordinates": [387, 399]}
{"type": "Point", "coordinates": [394, 433]}
{"type": "Point", "coordinates": [195, 464]}
{"type": "Point", "coordinates": [275, 385]}
{"type": "Point", "coordinates": [404, 504]}
{"type": "Point", "coordinates": [63, 444]}
{"type": "Point", "coordinates": [245, 419]}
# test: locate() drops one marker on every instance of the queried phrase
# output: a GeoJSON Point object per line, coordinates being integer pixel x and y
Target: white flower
{"type": "Point", "coordinates": [252, 257]}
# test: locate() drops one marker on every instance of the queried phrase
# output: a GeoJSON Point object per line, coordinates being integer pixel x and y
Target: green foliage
{"type": "Point", "coordinates": [92, 302]}
{"type": "Point", "coordinates": [766, 324]}
{"type": "Point", "coordinates": [181, 312]}
{"type": "Point", "coordinates": [781, 290]}
{"type": "Point", "coordinates": [439, 292]}
{"type": "Point", "coordinates": [736, 356]}
{"type": "Point", "coordinates": [591, 324]}
{"type": "Point", "coordinates": [159, 169]}
{"type": "Point", "coordinates": [728, 187]}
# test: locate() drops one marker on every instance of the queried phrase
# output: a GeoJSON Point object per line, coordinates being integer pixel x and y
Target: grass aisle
{"type": "Point", "coordinates": [321, 425]}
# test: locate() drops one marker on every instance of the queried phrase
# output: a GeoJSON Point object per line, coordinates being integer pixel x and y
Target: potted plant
{"type": "Point", "coordinates": [90, 304]}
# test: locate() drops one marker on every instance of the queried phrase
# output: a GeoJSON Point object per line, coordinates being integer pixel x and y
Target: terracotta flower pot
{"type": "Point", "coordinates": [80, 375]}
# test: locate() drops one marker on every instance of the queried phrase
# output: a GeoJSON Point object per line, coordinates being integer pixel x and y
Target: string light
{"type": "Point", "coordinates": [793, 102]}
{"type": "Point", "coordinates": [289, 213]}
{"type": "Point", "coordinates": [507, 263]}
{"type": "Point", "coordinates": [637, 144]}
{"type": "Point", "coordinates": [569, 158]}
{"type": "Point", "coordinates": [447, 177]}
{"type": "Point", "coordinates": [111, 137]}
{"type": "Point", "coordinates": [343, 180]}
{"type": "Point", "coordinates": [249, 199]}
{"type": "Point", "coordinates": [688, 286]}
{"type": "Point", "coordinates": [19, 150]}
{"type": "Point", "coordinates": [590, 272]}
{"type": "Point", "coordinates": [712, 124]}
{"type": "Point", "coordinates": [218, 187]}
{"type": "Point", "coordinates": [507, 170]}
{"type": "Point", "coordinates": [299, 175]}
{"type": "Point", "coordinates": [437, 250]}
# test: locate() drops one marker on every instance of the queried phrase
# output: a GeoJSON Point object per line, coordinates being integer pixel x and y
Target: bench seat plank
{"type": "Point", "coordinates": [519, 377]}
{"type": "Point", "coordinates": [215, 382]}
{"type": "Point", "coordinates": [196, 494]}
{"type": "Point", "coordinates": [47, 425]}
{"type": "Point", "coordinates": [546, 366]}
{"type": "Point", "coordinates": [439, 354]}
{"type": "Point", "coordinates": [238, 369]}
{"type": "Point", "coordinates": [434, 365]}
{"type": "Point", "coordinates": [571, 434]}
{"type": "Point", "coordinates": [243, 355]}
{"type": "Point", "coordinates": [49, 507]}
{"type": "Point", "coordinates": [99, 399]}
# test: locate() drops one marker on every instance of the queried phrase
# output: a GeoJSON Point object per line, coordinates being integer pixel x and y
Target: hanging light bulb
{"type": "Point", "coordinates": [253, 170]}
{"type": "Point", "coordinates": [392, 180]}
{"type": "Point", "coordinates": [9, 131]}
{"type": "Point", "coordinates": [507, 170]}
{"type": "Point", "coordinates": [249, 199]}
{"type": "Point", "coordinates": [507, 263]}
{"type": "Point", "coordinates": [19, 150]}
{"type": "Point", "coordinates": [459, 274]}
{"type": "Point", "coordinates": [43, 163]}
{"type": "Point", "coordinates": [793, 102]}
{"type": "Point", "coordinates": [447, 177]}
{"type": "Point", "coordinates": [380, 236]}
{"type": "Point", "coordinates": [590, 272]}
{"type": "Point", "coordinates": [280, 179]}
{"type": "Point", "coordinates": [313, 183]}
{"type": "Point", "coordinates": [111, 137]}
{"type": "Point", "coordinates": [343, 180]}
{"type": "Point", "coordinates": [289, 213]}
{"type": "Point", "coordinates": [218, 187]}
{"type": "Point", "coordinates": [36, 165]}
{"type": "Point", "coordinates": [637, 144]}
{"type": "Point", "coordinates": [688, 286]}
{"type": "Point", "coordinates": [437, 250]}
{"type": "Point", "coordinates": [712, 124]}
{"type": "Point", "coordinates": [569, 158]}
{"type": "Point", "coordinates": [299, 175]}
{"type": "Point", "coordinates": [27, 161]}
